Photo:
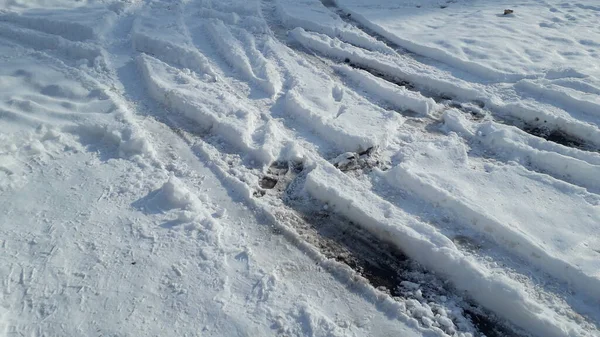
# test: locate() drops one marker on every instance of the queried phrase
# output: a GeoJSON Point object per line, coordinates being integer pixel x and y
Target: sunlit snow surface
{"type": "Point", "coordinates": [299, 168]}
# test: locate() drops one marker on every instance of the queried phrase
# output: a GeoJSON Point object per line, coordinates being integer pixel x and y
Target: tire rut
{"type": "Point", "coordinates": [539, 129]}
{"type": "Point", "coordinates": [383, 265]}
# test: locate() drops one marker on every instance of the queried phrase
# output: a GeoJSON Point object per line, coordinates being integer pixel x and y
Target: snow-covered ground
{"type": "Point", "coordinates": [299, 168]}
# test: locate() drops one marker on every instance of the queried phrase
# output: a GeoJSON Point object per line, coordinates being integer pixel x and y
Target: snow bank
{"type": "Point", "coordinates": [394, 310]}
{"type": "Point", "coordinates": [559, 120]}
{"type": "Point", "coordinates": [427, 246]}
{"type": "Point", "coordinates": [173, 53]}
{"type": "Point", "coordinates": [337, 114]}
{"type": "Point", "coordinates": [585, 85]}
{"type": "Point", "coordinates": [456, 121]}
{"type": "Point", "coordinates": [530, 113]}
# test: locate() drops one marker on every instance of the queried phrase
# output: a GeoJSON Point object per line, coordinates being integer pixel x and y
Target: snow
{"type": "Point", "coordinates": [576, 166]}
{"type": "Point", "coordinates": [386, 65]}
{"type": "Point", "coordinates": [539, 38]}
{"type": "Point", "coordinates": [299, 168]}
{"type": "Point", "coordinates": [213, 111]}
{"type": "Point", "coordinates": [335, 122]}
{"type": "Point", "coordinates": [240, 56]}
{"type": "Point", "coordinates": [401, 98]}
{"type": "Point", "coordinates": [471, 193]}
{"type": "Point", "coordinates": [313, 15]}
{"type": "Point", "coordinates": [77, 264]}
{"type": "Point", "coordinates": [571, 99]}
{"type": "Point", "coordinates": [434, 250]}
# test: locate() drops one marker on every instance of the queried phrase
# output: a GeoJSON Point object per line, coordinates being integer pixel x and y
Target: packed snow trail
{"type": "Point", "coordinates": [306, 168]}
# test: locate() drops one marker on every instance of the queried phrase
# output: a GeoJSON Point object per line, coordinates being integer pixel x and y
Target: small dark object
{"type": "Point", "coordinates": [279, 168]}
{"type": "Point", "coordinates": [268, 182]}
{"type": "Point", "coordinates": [508, 11]}
{"type": "Point", "coordinates": [347, 60]}
{"type": "Point", "coordinates": [366, 152]}
{"type": "Point", "coordinates": [133, 263]}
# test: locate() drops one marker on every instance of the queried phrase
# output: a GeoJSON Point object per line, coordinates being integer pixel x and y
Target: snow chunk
{"type": "Point", "coordinates": [178, 195]}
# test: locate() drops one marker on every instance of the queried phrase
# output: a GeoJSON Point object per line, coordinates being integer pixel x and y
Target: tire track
{"type": "Point", "coordinates": [282, 200]}
{"type": "Point", "coordinates": [476, 110]}
{"type": "Point", "coordinates": [310, 220]}
{"type": "Point", "coordinates": [383, 265]}
{"type": "Point", "coordinates": [537, 127]}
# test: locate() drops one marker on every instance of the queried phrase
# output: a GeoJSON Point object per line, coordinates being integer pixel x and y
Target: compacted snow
{"type": "Point", "coordinates": [299, 168]}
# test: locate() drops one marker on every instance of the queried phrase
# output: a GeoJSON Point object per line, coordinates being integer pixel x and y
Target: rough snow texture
{"type": "Point", "coordinates": [171, 166]}
{"type": "Point", "coordinates": [553, 40]}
